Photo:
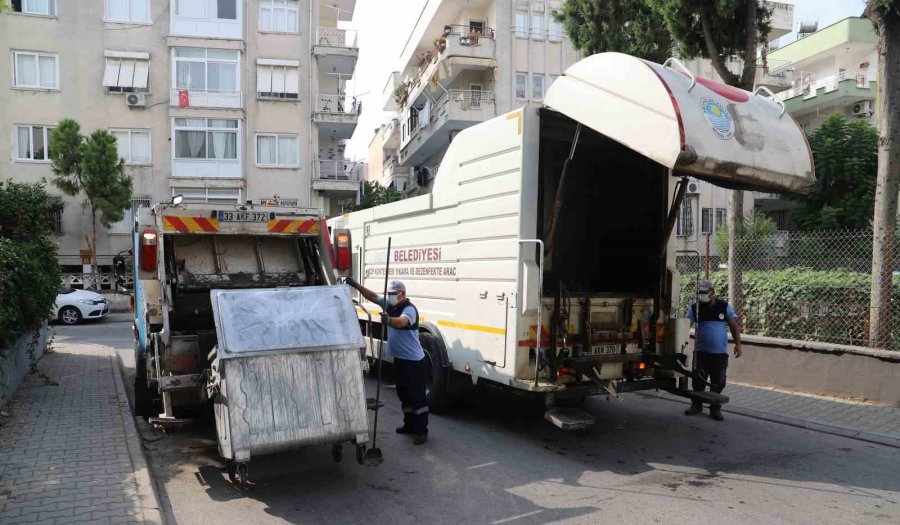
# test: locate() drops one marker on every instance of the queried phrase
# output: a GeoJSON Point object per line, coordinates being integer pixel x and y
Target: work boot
{"type": "Point", "coordinates": [418, 439]}
{"type": "Point", "coordinates": [716, 413]}
{"type": "Point", "coordinates": [404, 430]}
{"type": "Point", "coordinates": [694, 410]}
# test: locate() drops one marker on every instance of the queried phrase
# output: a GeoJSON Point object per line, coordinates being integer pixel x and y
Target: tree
{"type": "Point", "coordinates": [91, 166]}
{"type": "Point", "coordinates": [754, 236]}
{"type": "Point", "coordinates": [375, 194]}
{"type": "Point", "coordinates": [885, 17]}
{"type": "Point", "coordinates": [846, 159]}
{"type": "Point", "coordinates": [626, 26]}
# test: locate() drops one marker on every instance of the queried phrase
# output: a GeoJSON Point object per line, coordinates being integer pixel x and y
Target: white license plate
{"type": "Point", "coordinates": [243, 216]}
{"type": "Point", "coordinates": [605, 349]}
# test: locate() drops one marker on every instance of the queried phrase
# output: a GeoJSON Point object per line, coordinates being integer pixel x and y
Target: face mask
{"type": "Point", "coordinates": [392, 300]}
{"type": "Point", "coordinates": [705, 297]}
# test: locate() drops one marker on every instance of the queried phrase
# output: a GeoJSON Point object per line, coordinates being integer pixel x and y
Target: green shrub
{"type": "Point", "coordinates": [29, 272]}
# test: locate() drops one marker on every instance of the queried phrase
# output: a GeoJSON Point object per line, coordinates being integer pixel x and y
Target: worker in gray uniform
{"type": "Point", "coordinates": [410, 366]}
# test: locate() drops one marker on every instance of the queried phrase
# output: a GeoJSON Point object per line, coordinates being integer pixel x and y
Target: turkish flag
{"type": "Point", "coordinates": [184, 100]}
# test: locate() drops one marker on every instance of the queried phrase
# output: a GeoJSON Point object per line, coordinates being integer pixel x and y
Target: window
{"type": "Point", "coordinates": [206, 139]}
{"type": "Point", "coordinates": [217, 9]}
{"type": "Point", "coordinates": [552, 79]}
{"type": "Point", "coordinates": [281, 16]}
{"type": "Point", "coordinates": [537, 86]}
{"type": "Point", "coordinates": [35, 7]}
{"type": "Point", "coordinates": [521, 20]}
{"type": "Point", "coordinates": [282, 151]}
{"type": "Point", "coordinates": [686, 218]}
{"type": "Point", "coordinates": [475, 94]}
{"type": "Point", "coordinates": [128, 10]}
{"type": "Point", "coordinates": [556, 30]}
{"type": "Point", "coordinates": [133, 145]}
{"type": "Point", "coordinates": [126, 225]}
{"type": "Point", "coordinates": [706, 220]}
{"type": "Point", "coordinates": [476, 26]}
{"type": "Point", "coordinates": [721, 218]}
{"type": "Point", "coordinates": [36, 70]}
{"type": "Point", "coordinates": [54, 214]}
{"type": "Point", "coordinates": [32, 143]}
{"type": "Point", "coordinates": [127, 72]}
{"type": "Point", "coordinates": [537, 26]}
{"type": "Point", "coordinates": [214, 195]}
{"type": "Point", "coordinates": [213, 70]}
{"type": "Point", "coordinates": [277, 81]}
{"type": "Point", "coordinates": [521, 86]}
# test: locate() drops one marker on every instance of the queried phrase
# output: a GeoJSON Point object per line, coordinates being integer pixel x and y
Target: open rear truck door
{"type": "Point", "coordinates": [691, 125]}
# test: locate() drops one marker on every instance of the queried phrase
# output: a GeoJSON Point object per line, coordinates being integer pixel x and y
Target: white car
{"type": "Point", "coordinates": [73, 306]}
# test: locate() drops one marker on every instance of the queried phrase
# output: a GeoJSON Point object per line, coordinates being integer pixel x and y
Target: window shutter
{"type": "Point", "coordinates": [111, 75]}
{"type": "Point", "coordinates": [126, 74]}
{"type": "Point", "coordinates": [263, 79]}
{"type": "Point", "coordinates": [292, 82]}
{"type": "Point", "coordinates": [141, 74]}
{"type": "Point", "coordinates": [278, 80]}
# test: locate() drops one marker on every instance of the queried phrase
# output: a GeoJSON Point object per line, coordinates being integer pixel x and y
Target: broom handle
{"type": "Point", "coordinates": [387, 266]}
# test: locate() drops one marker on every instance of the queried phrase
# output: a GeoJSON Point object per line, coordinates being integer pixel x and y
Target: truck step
{"type": "Point", "coordinates": [569, 418]}
{"type": "Point", "coordinates": [702, 397]}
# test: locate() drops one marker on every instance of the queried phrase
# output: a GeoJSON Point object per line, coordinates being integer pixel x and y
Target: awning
{"type": "Point", "coordinates": [729, 136]}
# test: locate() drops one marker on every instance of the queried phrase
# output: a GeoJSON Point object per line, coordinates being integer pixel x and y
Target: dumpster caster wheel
{"type": "Point", "coordinates": [232, 471]}
{"type": "Point", "coordinates": [337, 452]}
{"type": "Point", "coordinates": [360, 454]}
{"type": "Point", "coordinates": [243, 472]}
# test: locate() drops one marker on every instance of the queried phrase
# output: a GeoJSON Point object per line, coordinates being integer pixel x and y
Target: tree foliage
{"type": "Point", "coordinates": [846, 158]}
{"type": "Point", "coordinates": [754, 234]}
{"type": "Point", "coordinates": [626, 26]}
{"type": "Point", "coordinates": [375, 194]}
{"type": "Point", "coordinates": [29, 272]}
{"type": "Point", "coordinates": [91, 166]}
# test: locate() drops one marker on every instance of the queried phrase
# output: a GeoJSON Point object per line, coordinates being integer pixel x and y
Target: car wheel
{"type": "Point", "coordinates": [69, 315]}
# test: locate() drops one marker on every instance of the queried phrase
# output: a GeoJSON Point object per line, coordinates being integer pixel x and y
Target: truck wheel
{"type": "Point", "coordinates": [436, 382]}
{"type": "Point", "coordinates": [143, 397]}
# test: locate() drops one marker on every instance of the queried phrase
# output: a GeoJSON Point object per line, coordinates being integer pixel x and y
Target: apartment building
{"type": "Point", "coordinates": [218, 100]}
{"type": "Point", "coordinates": [465, 61]}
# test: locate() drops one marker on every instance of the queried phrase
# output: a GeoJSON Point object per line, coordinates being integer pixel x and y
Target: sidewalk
{"type": "Point", "coordinates": [70, 453]}
{"type": "Point", "coordinates": [866, 421]}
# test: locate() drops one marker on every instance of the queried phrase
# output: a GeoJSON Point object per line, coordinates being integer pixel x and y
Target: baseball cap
{"type": "Point", "coordinates": [705, 286]}
{"type": "Point", "coordinates": [396, 286]}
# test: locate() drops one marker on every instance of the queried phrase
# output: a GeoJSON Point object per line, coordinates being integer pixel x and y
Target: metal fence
{"type": "Point", "coordinates": [812, 286]}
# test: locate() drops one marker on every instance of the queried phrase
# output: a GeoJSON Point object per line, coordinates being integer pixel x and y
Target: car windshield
{"type": "Point", "coordinates": [64, 291]}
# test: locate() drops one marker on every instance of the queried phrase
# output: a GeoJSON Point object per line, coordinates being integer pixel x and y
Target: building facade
{"type": "Point", "coordinates": [218, 100]}
{"type": "Point", "coordinates": [465, 61]}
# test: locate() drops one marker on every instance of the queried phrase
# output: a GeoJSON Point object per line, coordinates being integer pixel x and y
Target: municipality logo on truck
{"type": "Point", "coordinates": [718, 118]}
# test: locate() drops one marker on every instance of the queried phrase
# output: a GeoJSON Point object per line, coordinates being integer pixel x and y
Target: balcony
{"type": "Point", "coordinates": [832, 91]}
{"type": "Point", "coordinates": [337, 178]}
{"type": "Point", "coordinates": [205, 98]}
{"type": "Point", "coordinates": [390, 135]}
{"type": "Point", "coordinates": [455, 111]}
{"type": "Point", "coordinates": [336, 50]}
{"type": "Point", "coordinates": [393, 174]}
{"type": "Point", "coordinates": [334, 116]}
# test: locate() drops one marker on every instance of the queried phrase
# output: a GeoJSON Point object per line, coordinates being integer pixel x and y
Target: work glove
{"type": "Point", "coordinates": [349, 281]}
{"type": "Point", "coordinates": [385, 318]}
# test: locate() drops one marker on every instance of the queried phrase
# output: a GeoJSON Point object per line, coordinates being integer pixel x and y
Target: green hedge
{"type": "Point", "coordinates": [799, 303]}
{"type": "Point", "coordinates": [29, 272]}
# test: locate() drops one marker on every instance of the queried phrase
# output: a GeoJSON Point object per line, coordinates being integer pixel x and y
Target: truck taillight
{"type": "Point", "coordinates": [149, 243]}
{"type": "Point", "coordinates": [342, 250]}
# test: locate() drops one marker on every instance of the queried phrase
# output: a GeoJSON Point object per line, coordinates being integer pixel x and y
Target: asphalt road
{"type": "Point", "coordinates": [497, 461]}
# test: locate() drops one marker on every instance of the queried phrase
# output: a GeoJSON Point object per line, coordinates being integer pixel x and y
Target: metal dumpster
{"type": "Point", "coordinates": [286, 372]}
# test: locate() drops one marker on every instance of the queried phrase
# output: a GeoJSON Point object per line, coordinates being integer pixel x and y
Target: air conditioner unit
{"type": "Point", "coordinates": [136, 100]}
{"type": "Point", "coordinates": [863, 108]}
{"type": "Point", "coordinates": [694, 187]}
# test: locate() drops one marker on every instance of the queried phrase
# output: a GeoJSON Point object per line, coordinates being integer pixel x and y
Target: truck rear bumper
{"type": "Point", "coordinates": [593, 389]}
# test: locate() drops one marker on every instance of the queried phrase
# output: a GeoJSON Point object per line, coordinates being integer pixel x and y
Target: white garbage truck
{"type": "Point", "coordinates": [541, 258]}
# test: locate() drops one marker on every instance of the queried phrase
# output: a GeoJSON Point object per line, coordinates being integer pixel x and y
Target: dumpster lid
{"type": "Point", "coordinates": [285, 320]}
{"type": "Point", "coordinates": [728, 136]}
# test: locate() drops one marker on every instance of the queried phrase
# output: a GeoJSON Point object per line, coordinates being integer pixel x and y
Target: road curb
{"type": "Point", "coordinates": [859, 435]}
{"type": "Point", "coordinates": [149, 501]}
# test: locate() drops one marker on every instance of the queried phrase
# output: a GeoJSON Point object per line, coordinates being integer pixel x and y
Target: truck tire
{"type": "Point", "coordinates": [437, 382]}
{"type": "Point", "coordinates": [143, 396]}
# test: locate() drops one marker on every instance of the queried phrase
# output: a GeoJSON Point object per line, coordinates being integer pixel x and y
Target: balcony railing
{"type": "Point", "coordinates": [472, 33]}
{"type": "Point", "coordinates": [339, 170]}
{"type": "Point", "coordinates": [466, 100]}
{"type": "Point", "coordinates": [205, 98]}
{"type": "Point", "coordinates": [334, 37]}
{"type": "Point", "coordinates": [809, 86]}
{"type": "Point", "coordinates": [277, 200]}
{"type": "Point", "coordinates": [336, 105]}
